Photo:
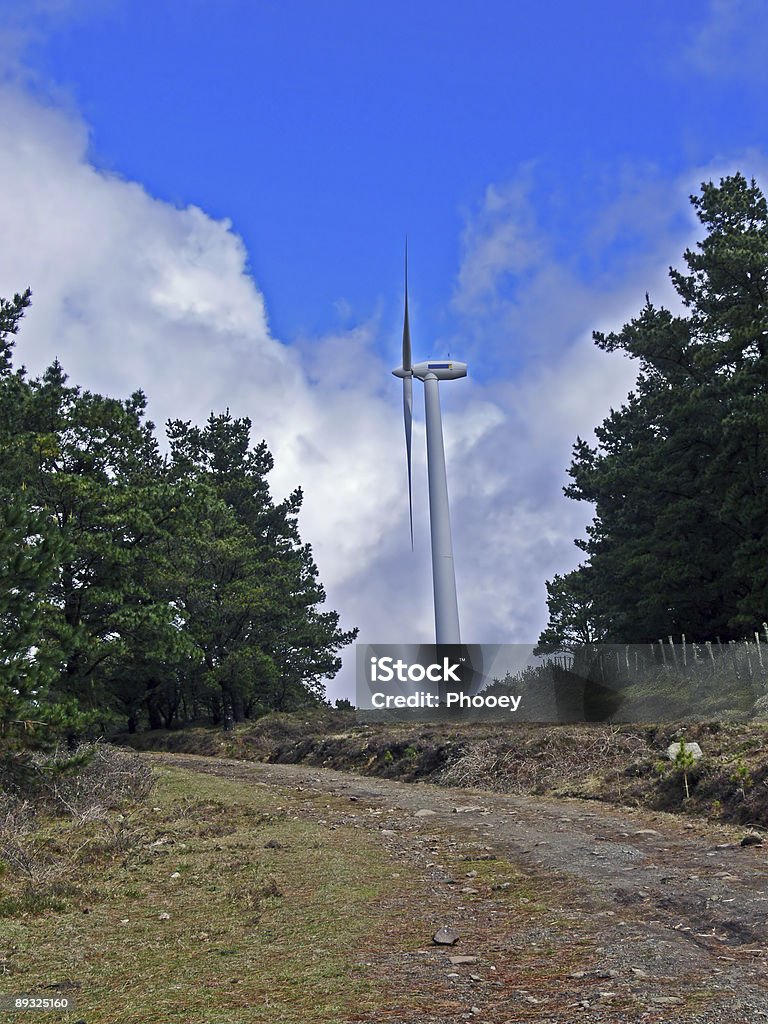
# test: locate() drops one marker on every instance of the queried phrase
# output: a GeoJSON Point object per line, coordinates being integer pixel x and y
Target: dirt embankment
{"type": "Point", "coordinates": [626, 765]}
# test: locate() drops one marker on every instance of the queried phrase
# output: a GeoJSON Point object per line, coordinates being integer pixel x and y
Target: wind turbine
{"type": "Point", "coordinates": [443, 576]}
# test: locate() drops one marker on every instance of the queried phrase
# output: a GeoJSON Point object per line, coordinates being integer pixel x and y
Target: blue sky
{"type": "Point", "coordinates": [326, 131]}
{"type": "Point", "coordinates": [209, 200]}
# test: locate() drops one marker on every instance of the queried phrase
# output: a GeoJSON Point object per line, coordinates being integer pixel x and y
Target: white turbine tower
{"type": "Point", "coordinates": [443, 576]}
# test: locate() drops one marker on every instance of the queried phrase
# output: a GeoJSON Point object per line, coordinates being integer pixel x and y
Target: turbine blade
{"type": "Point", "coordinates": [406, 325]}
{"type": "Point", "coordinates": [408, 416]}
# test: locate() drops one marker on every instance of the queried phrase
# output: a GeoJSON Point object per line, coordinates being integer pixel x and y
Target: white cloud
{"type": "Point", "coordinates": [500, 240]}
{"type": "Point", "coordinates": [732, 42]}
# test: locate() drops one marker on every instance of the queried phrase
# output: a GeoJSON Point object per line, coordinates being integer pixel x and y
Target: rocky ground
{"type": "Point", "coordinates": [565, 910]}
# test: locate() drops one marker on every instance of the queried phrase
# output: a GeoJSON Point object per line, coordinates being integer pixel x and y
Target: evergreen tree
{"type": "Point", "coordinates": [29, 561]}
{"type": "Point", "coordinates": [247, 585]}
{"type": "Point", "coordinates": [678, 477]}
{"type": "Point", "coordinates": [141, 586]}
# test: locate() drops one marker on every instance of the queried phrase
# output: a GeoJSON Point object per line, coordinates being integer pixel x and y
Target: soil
{"type": "Point", "coordinates": [574, 910]}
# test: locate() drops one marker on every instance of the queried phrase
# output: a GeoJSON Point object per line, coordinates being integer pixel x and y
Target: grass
{"type": "Point", "coordinates": [254, 932]}
{"type": "Point", "coordinates": [222, 901]}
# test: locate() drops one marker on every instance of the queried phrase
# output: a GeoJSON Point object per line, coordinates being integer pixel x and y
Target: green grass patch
{"type": "Point", "coordinates": [269, 917]}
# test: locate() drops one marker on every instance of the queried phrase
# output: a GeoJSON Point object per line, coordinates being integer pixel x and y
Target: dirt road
{"type": "Point", "coordinates": [605, 915]}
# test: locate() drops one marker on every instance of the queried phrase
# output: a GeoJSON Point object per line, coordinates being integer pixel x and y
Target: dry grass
{"type": "Point", "coordinates": [541, 762]}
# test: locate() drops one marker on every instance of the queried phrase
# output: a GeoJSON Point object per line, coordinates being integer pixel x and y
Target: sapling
{"type": "Point", "coordinates": [741, 777]}
{"type": "Point", "coordinates": [684, 760]}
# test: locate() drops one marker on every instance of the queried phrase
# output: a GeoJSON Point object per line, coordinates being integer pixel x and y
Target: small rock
{"type": "Point", "coordinates": [445, 937]}
{"type": "Point", "coordinates": [176, 874]}
{"type": "Point", "coordinates": [165, 917]}
{"type": "Point", "coordinates": [388, 832]}
{"type": "Point", "coordinates": [646, 832]}
{"type": "Point", "coordinates": [752, 840]}
{"type": "Point", "coordinates": [273, 844]}
{"type": "Point", "coordinates": [424, 812]}
{"type": "Point", "coordinates": [475, 1010]}
{"type": "Point", "coordinates": [691, 748]}
{"type": "Point", "coordinates": [468, 809]}
{"type": "Point", "coordinates": [666, 1000]}
{"type": "Point", "coordinates": [456, 960]}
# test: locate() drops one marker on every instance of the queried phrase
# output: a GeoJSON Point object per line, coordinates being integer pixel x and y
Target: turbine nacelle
{"type": "Point", "coordinates": [443, 369]}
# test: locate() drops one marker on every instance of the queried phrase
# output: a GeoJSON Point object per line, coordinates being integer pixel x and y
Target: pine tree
{"type": "Point", "coordinates": [247, 585]}
{"type": "Point", "coordinates": [678, 476]}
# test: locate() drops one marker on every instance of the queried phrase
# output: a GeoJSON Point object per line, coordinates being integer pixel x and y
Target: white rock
{"type": "Point", "coordinates": [691, 748]}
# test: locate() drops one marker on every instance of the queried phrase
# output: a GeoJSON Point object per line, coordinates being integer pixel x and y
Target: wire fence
{"type": "Point", "coordinates": [652, 682]}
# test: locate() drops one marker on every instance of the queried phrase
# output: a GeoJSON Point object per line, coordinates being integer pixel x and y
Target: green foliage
{"type": "Point", "coordinates": [573, 619]}
{"type": "Point", "coordinates": [246, 583]}
{"type": "Point", "coordinates": [29, 559]}
{"type": "Point", "coordinates": [742, 777]}
{"type": "Point", "coordinates": [684, 761]}
{"type": "Point", "coordinates": [136, 585]}
{"type": "Point", "coordinates": [678, 475]}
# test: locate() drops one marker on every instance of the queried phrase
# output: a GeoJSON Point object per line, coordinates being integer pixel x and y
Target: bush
{"type": "Point", "coordinates": [93, 778]}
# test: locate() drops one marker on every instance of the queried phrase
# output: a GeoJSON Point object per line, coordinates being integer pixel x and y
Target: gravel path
{"type": "Point", "coordinates": [647, 917]}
